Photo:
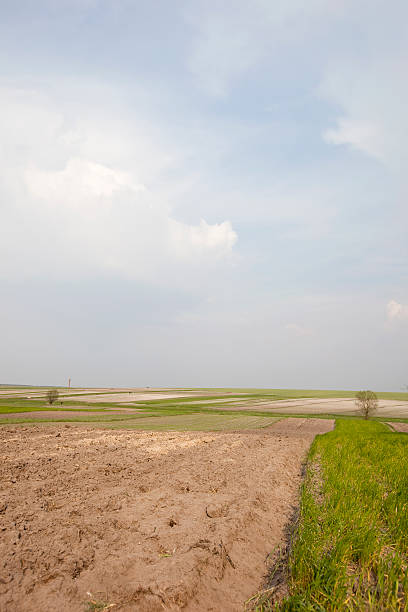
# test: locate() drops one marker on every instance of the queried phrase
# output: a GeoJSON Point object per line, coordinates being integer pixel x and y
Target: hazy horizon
{"type": "Point", "coordinates": [204, 194]}
{"type": "Point", "coordinates": [181, 387]}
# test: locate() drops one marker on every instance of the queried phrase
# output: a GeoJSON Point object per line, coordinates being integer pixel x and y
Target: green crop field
{"type": "Point", "coordinates": [237, 402]}
{"type": "Point", "coordinates": [351, 548]}
{"type": "Point", "coordinates": [198, 422]}
{"type": "Point", "coordinates": [183, 422]}
{"type": "Point", "coordinates": [24, 408]}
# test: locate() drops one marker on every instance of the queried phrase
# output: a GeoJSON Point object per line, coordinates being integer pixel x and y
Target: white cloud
{"type": "Point", "coordinates": [85, 197]}
{"type": "Point", "coordinates": [298, 330]}
{"type": "Point", "coordinates": [373, 98]}
{"type": "Point", "coordinates": [79, 181]}
{"type": "Point", "coordinates": [144, 178]}
{"type": "Point", "coordinates": [396, 311]}
{"type": "Point", "coordinates": [218, 238]}
{"type": "Point", "coordinates": [360, 135]}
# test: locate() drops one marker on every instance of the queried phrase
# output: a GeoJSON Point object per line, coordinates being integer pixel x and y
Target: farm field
{"type": "Point", "coordinates": [141, 520]}
{"type": "Point", "coordinates": [104, 394]}
{"type": "Point", "coordinates": [111, 406]}
{"type": "Point", "coordinates": [197, 422]}
{"type": "Point", "coordinates": [188, 422]}
{"type": "Point", "coordinates": [351, 547]}
{"type": "Point", "coordinates": [333, 406]}
{"type": "Point", "coordinates": [187, 499]}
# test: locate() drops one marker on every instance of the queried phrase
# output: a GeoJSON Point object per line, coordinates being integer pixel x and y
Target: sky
{"type": "Point", "coordinates": [204, 193]}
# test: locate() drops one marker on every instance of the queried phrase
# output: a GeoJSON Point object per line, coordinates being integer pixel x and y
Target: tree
{"type": "Point", "coordinates": [367, 403]}
{"type": "Point", "coordinates": [52, 396]}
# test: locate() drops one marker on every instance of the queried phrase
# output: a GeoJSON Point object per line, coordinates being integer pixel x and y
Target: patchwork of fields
{"type": "Point", "coordinates": [131, 407]}
{"type": "Point", "coordinates": [152, 499]}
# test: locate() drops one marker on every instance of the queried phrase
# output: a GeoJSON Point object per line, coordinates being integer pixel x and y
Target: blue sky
{"type": "Point", "coordinates": [204, 193]}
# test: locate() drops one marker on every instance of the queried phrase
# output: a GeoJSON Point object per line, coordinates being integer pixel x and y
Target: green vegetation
{"type": "Point", "coordinates": [97, 605]}
{"type": "Point", "coordinates": [24, 408]}
{"type": "Point", "coordinates": [184, 422]}
{"type": "Point", "coordinates": [12, 402]}
{"type": "Point", "coordinates": [281, 394]}
{"type": "Point", "coordinates": [238, 402]}
{"type": "Point", "coordinates": [198, 422]}
{"type": "Point", "coordinates": [97, 420]}
{"type": "Point", "coordinates": [351, 549]}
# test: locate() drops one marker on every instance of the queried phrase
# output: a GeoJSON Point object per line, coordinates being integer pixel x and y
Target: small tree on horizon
{"type": "Point", "coordinates": [52, 396]}
{"type": "Point", "coordinates": [367, 403]}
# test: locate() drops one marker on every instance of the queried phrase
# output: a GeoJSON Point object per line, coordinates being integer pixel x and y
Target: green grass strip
{"type": "Point", "coordinates": [18, 409]}
{"type": "Point", "coordinates": [351, 548]}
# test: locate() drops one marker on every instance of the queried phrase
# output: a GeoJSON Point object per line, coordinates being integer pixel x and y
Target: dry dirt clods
{"type": "Point", "coordinates": [142, 520]}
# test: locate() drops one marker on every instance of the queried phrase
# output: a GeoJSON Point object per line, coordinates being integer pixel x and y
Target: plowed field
{"type": "Point", "coordinates": [140, 520]}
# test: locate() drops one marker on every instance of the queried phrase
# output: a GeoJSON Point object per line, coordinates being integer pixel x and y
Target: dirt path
{"type": "Point", "coordinates": [147, 521]}
{"type": "Point", "coordinates": [402, 427]}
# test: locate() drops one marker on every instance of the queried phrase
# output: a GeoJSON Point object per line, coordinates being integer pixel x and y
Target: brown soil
{"type": "Point", "coordinates": [145, 521]}
{"type": "Point", "coordinates": [402, 427]}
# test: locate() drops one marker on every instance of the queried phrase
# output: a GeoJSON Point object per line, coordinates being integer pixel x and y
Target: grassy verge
{"type": "Point", "coordinates": [351, 548]}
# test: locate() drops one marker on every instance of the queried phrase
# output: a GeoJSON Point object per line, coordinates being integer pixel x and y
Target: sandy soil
{"type": "Point", "coordinates": [109, 394]}
{"type": "Point", "coordinates": [390, 408]}
{"type": "Point", "coordinates": [403, 427]}
{"type": "Point", "coordinates": [36, 392]}
{"type": "Point", "coordinates": [147, 521]}
{"type": "Point", "coordinates": [132, 397]}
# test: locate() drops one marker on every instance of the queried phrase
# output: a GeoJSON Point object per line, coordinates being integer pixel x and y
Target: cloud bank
{"type": "Point", "coordinates": [205, 194]}
{"type": "Point", "coordinates": [77, 207]}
